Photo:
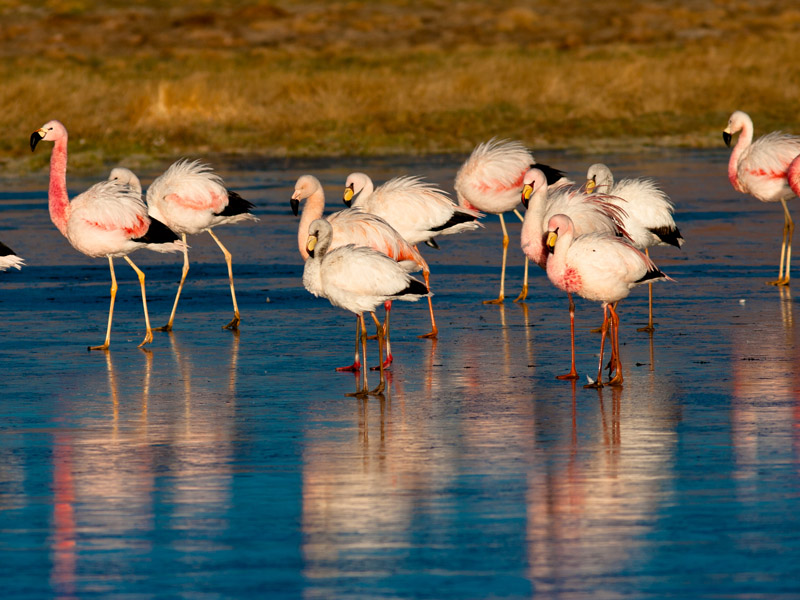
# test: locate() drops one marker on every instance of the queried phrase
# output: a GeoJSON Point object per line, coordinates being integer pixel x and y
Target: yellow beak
{"type": "Point", "coordinates": [590, 185]}
{"type": "Point", "coordinates": [311, 243]}
{"type": "Point", "coordinates": [348, 194]}
{"type": "Point", "coordinates": [551, 239]}
{"type": "Point", "coordinates": [527, 190]}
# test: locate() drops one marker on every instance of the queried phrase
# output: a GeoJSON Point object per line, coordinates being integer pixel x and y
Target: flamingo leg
{"type": "Point", "coordinates": [389, 358]}
{"type": "Point", "coordinates": [649, 327]}
{"type": "Point", "coordinates": [434, 329]}
{"type": "Point", "coordinates": [573, 374]}
{"type": "Point", "coordinates": [382, 385]}
{"type": "Point", "coordinates": [148, 337]}
{"type": "Point", "coordinates": [362, 388]}
{"type": "Point", "coordinates": [617, 379]}
{"type": "Point", "coordinates": [501, 297]}
{"type": "Point", "coordinates": [604, 330]}
{"type": "Point", "coordinates": [356, 363]}
{"type": "Point", "coordinates": [524, 293]}
{"type": "Point", "coordinates": [786, 248]}
{"type": "Point", "coordinates": [234, 324]}
{"type": "Point", "coordinates": [184, 272]}
{"type": "Point", "coordinates": [110, 308]}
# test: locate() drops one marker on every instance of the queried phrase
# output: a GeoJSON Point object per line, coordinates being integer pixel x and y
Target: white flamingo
{"type": "Point", "coordinates": [419, 211]}
{"type": "Point", "coordinates": [598, 267]}
{"type": "Point", "coordinates": [589, 213]}
{"type": "Point", "coordinates": [358, 279]}
{"type": "Point", "coordinates": [490, 181]}
{"type": "Point", "coordinates": [648, 216]}
{"type": "Point", "coordinates": [109, 219]}
{"type": "Point", "coordinates": [759, 168]}
{"type": "Point", "coordinates": [190, 199]}
{"type": "Point", "coordinates": [353, 226]}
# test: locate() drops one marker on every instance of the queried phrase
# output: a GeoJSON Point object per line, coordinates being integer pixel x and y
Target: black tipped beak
{"type": "Point", "coordinates": [347, 203]}
{"type": "Point", "coordinates": [295, 203]}
{"type": "Point", "coordinates": [524, 202]}
{"type": "Point", "coordinates": [35, 139]}
{"type": "Point", "coordinates": [727, 137]}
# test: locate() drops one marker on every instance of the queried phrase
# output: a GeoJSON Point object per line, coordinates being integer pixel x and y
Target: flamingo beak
{"type": "Point", "coordinates": [311, 244]}
{"type": "Point", "coordinates": [527, 190]}
{"type": "Point", "coordinates": [348, 195]}
{"type": "Point", "coordinates": [295, 204]}
{"type": "Point", "coordinates": [36, 137]}
{"type": "Point", "coordinates": [727, 137]}
{"type": "Point", "coordinates": [590, 185]}
{"type": "Point", "coordinates": [550, 244]}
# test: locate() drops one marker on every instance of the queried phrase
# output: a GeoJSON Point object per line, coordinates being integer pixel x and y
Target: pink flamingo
{"type": "Point", "coordinates": [190, 199]}
{"type": "Point", "coordinates": [793, 175]}
{"type": "Point", "coordinates": [599, 267]}
{"type": "Point", "coordinates": [353, 226]}
{"type": "Point", "coordinates": [9, 258]}
{"type": "Point", "coordinates": [109, 219]}
{"type": "Point", "coordinates": [490, 180]}
{"type": "Point", "coordinates": [593, 213]}
{"type": "Point", "coordinates": [760, 169]}
{"type": "Point", "coordinates": [648, 214]}
{"type": "Point", "coordinates": [358, 279]}
{"type": "Point", "coordinates": [417, 210]}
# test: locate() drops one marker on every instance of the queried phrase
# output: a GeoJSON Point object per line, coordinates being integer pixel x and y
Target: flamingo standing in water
{"type": "Point", "coordinates": [358, 279]}
{"type": "Point", "coordinates": [190, 199]}
{"type": "Point", "coordinates": [760, 169]}
{"type": "Point", "coordinates": [353, 226]}
{"type": "Point", "coordinates": [9, 258]}
{"type": "Point", "coordinates": [593, 213]}
{"type": "Point", "coordinates": [419, 211]}
{"type": "Point", "coordinates": [490, 180]}
{"type": "Point", "coordinates": [109, 219]}
{"type": "Point", "coordinates": [598, 267]}
{"type": "Point", "coordinates": [648, 214]}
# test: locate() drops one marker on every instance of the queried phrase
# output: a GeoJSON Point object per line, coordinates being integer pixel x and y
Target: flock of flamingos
{"type": "Point", "coordinates": [592, 239]}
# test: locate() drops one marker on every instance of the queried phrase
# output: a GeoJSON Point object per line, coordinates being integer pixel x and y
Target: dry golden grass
{"type": "Point", "coordinates": [331, 78]}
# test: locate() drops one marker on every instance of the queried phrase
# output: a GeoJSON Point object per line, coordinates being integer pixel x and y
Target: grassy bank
{"type": "Point", "coordinates": [328, 78]}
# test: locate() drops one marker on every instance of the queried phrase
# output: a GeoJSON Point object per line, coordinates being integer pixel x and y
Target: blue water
{"type": "Point", "coordinates": [222, 465]}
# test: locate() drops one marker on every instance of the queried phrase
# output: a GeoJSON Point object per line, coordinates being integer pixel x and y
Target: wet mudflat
{"type": "Point", "coordinates": [217, 465]}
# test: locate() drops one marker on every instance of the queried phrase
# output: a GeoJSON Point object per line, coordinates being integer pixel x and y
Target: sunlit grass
{"type": "Point", "coordinates": [336, 98]}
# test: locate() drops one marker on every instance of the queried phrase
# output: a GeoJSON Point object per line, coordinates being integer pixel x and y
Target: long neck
{"type": "Point", "coordinates": [314, 206]}
{"type": "Point", "coordinates": [557, 271]}
{"type": "Point", "coordinates": [57, 193]}
{"type": "Point", "coordinates": [533, 229]}
{"type": "Point", "coordinates": [742, 144]}
{"type": "Point", "coordinates": [365, 193]}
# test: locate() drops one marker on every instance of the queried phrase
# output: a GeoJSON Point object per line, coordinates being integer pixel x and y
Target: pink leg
{"type": "Point", "coordinates": [356, 366]}
{"type": "Point", "coordinates": [389, 358]}
{"type": "Point", "coordinates": [573, 374]}
{"type": "Point", "coordinates": [604, 330]}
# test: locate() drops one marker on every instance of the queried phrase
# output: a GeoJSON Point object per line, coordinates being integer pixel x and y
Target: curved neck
{"type": "Point", "coordinates": [557, 263]}
{"type": "Point", "coordinates": [57, 193]}
{"type": "Point", "coordinates": [365, 193]}
{"type": "Point", "coordinates": [533, 228]}
{"type": "Point", "coordinates": [742, 144]}
{"type": "Point", "coordinates": [312, 210]}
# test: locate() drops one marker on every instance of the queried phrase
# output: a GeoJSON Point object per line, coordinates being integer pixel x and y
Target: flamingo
{"type": "Point", "coordinates": [9, 258]}
{"type": "Point", "coordinates": [760, 169]}
{"type": "Point", "coordinates": [419, 211]}
{"type": "Point", "coordinates": [598, 267]}
{"type": "Point", "coordinates": [793, 175]}
{"type": "Point", "coordinates": [190, 199]}
{"type": "Point", "coordinates": [648, 220]}
{"type": "Point", "coordinates": [109, 219]}
{"type": "Point", "coordinates": [593, 213]}
{"type": "Point", "coordinates": [490, 180]}
{"type": "Point", "coordinates": [358, 279]}
{"type": "Point", "coordinates": [353, 226]}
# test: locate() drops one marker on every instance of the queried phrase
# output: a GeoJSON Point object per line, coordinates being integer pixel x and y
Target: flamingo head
{"type": "Point", "coordinates": [531, 181]}
{"type": "Point", "coordinates": [557, 224]}
{"type": "Point", "coordinates": [319, 237]}
{"type": "Point", "coordinates": [50, 131]}
{"type": "Point", "coordinates": [355, 184]}
{"type": "Point", "coordinates": [736, 123]}
{"type": "Point", "coordinates": [125, 177]}
{"type": "Point", "coordinates": [306, 185]}
{"type": "Point", "coordinates": [598, 175]}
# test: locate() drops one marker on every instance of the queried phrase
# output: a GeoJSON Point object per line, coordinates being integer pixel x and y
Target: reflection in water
{"type": "Point", "coordinates": [143, 464]}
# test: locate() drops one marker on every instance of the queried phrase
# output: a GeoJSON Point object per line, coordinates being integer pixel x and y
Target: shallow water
{"type": "Point", "coordinates": [218, 465]}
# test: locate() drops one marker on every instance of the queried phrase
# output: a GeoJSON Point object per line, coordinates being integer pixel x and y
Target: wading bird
{"type": "Point", "coordinates": [590, 213]}
{"type": "Point", "coordinates": [419, 211]}
{"type": "Point", "coordinates": [490, 180]}
{"type": "Point", "coordinates": [760, 169]}
{"type": "Point", "coordinates": [353, 226]}
{"type": "Point", "coordinates": [598, 267]}
{"type": "Point", "coordinates": [109, 219]}
{"type": "Point", "coordinates": [9, 258]}
{"type": "Point", "coordinates": [190, 199]}
{"type": "Point", "coordinates": [357, 279]}
{"type": "Point", "coordinates": [648, 217]}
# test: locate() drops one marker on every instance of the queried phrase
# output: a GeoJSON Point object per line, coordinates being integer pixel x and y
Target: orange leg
{"type": "Point", "coordinates": [501, 297]}
{"type": "Point", "coordinates": [617, 379]}
{"type": "Point", "coordinates": [434, 330]}
{"type": "Point", "coordinates": [573, 374]}
{"type": "Point", "coordinates": [603, 331]}
{"type": "Point", "coordinates": [389, 358]}
{"type": "Point", "coordinates": [382, 385]}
